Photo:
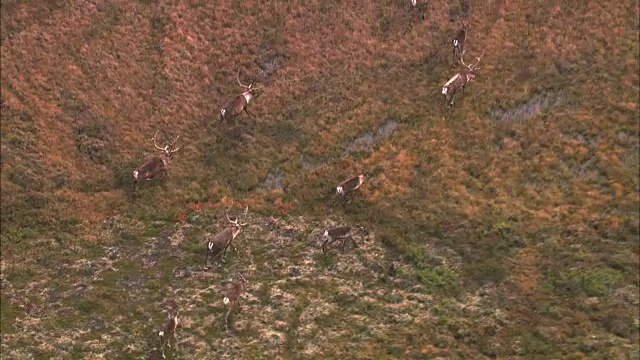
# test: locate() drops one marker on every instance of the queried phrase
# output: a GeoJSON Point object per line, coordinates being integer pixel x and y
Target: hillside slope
{"type": "Point", "coordinates": [512, 217]}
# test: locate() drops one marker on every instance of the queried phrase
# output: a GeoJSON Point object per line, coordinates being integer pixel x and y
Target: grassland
{"type": "Point", "coordinates": [513, 217]}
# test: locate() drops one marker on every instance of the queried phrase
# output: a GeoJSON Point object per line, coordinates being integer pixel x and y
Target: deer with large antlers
{"type": "Point", "coordinates": [342, 233]}
{"type": "Point", "coordinates": [232, 298]}
{"type": "Point", "coordinates": [157, 164]}
{"type": "Point", "coordinates": [169, 332]}
{"type": "Point", "coordinates": [458, 43]}
{"type": "Point", "coordinates": [459, 81]}
{"type": "Point", "coordinates": [222, 240]}
{"type": "Point", "coordinates": [239, 103]}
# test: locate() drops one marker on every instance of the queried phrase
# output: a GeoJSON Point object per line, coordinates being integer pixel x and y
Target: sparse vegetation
{"type": "Point", "coordinates": [512, 217]}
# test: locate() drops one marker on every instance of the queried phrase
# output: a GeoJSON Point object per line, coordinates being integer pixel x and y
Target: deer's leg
{"type": "Point", "coordinates": [226, 319]}
{"type": "Point", "coordinates": [344, 241]}
{"type": "Point", "coordinates": [207, 255]}
{"type": "Point", "coordinates": [224, 253]}
{"type": "Point", "coordinates": [331, 241]}
{"type": "Point", "coordinates": [324, 245]}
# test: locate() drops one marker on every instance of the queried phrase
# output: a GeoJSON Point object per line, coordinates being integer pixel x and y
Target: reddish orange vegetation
{"type": "Point", "coordinates": [398, 172]}
{"type": "Point", "coordinates": [134, 68]}
{"type": "Point", "coordinates": [282, 207]}
{"type": "Point", "coordinates": [430, 349]}
{"type": "Point", "coordinates": [526, 275]}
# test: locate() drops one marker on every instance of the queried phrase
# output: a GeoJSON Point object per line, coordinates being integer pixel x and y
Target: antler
{"type": "Point", "coordinates": [241, 276]}
{"type": "Point", "coordinates": [246, 210]}
{"type": "Point", "coordinates": [238, 78]}
{"type": "Point", "coordinates": [474, 66]}
{"type": "Point", "coordinates": [173, 144]}
{"type": "Point", "coordinates": [154, 141]}
{"type": "Point", "coordinates": [235, 222]}
{"type": "Point", "coordinates": [248, 87]}
{"type": "Point", "coordinates": [258, 78]}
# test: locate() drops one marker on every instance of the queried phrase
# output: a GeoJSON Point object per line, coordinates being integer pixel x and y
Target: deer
{"type": "Point", "coordinates": [222, 240]}
{"type": "Point", "coordinates": [421, 6]}
{"type": "Point", "coordinates": [342, 233]}
{"type": "Point", "coordinates": [459, 81]}
{"type": "Point", "coordinates": [458, 43]}
{"type": "Point", "coordinates": [240, 103]}
{"type": "Point", "coordinates": [169, 332]}
{"type": "Point", "coordinates": [350, 185]}
{"type": "Point", "coordinates": [232, 298]}
{"type": "Point", "coordinates": [158, 164]}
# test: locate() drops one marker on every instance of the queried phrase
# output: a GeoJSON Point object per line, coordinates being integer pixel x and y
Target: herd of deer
{"type": "Point", "coordinates": [219, 243]}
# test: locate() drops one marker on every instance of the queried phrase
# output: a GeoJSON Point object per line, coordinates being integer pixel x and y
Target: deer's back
{"type": "Point", "coordinates": [461, 35]}
{"type": "Point", "coordinates": [152, 166]}
{"type": "Point", "coordinates": [236, 106]}
{"type": "Point", "coordinates": [236, 290]}
{"type": "Point", "coordinates": [221, 239]}
{"type": "Point", "coordinates": [459, 81]}
{"type": "Point", "coordinates": [350, 184]}
{"type": "Point", "coordinates": [339, 231]}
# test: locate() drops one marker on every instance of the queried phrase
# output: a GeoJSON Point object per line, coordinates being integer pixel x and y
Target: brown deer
{"type": "Point", "coordinates": [169, 332]}
{"type": "Point", "coordinates": [239, 103]}
{"type": "Point", "coordinates": [350, 185]}
{"type": "Point", "coordinates": [421, 6]}
{"type": "Point", "coordinates": [222, 240]}
{"type": "Point", "coordinates": [342, 233]}
{"type": "Point", "coordinates": [158, 164]}
{"type": "Point", "coordinates": [459, 81]}
{"type": "Point", "coordinates": [458, 43]}
{"type": "Point", "coordinates": [232, 298]}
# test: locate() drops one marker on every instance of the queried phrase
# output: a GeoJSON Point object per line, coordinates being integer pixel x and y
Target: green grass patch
{"type": "Point", "coordinates": [598, 281]}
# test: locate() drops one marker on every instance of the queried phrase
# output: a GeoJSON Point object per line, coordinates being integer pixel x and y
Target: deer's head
{"type": "Point", "coordinates": [471, 72]}
{"type": "Point", "coordinates": [168, 149]}
{"type": "Point", "coordinates": [237, 226]}
{"type": "Point", "coordinates": [464, 27]}
{"type": "Point", "coordinates": [250, 91]}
